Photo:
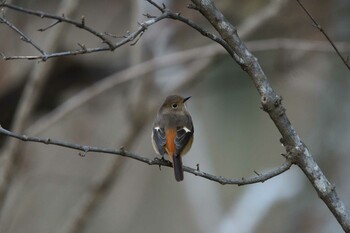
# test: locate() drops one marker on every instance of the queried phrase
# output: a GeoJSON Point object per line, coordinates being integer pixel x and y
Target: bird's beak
{"type": "Point", "coordinates": [187, 98]}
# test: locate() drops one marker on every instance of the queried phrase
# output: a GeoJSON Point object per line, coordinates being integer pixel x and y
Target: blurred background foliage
{"type": "Point", "coordinates": [233, 137]}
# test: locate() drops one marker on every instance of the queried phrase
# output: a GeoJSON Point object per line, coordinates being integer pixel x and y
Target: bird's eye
{"type": "Point", "coordinates": [174, 106]}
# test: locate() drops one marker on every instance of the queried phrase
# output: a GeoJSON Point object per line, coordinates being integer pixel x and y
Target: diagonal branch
{"type": "Point", "coordinates": [126, 39]}
{"type": "Point", "coordinates": [155, 161]}
{"type": "Point", "coordinates": [179, 17]}
{"type": "Point", "coordinates": [42, 14]}
{"type": "Point", "coordinates": [23, 36]}
{"type": "Point", "coordinates": [297, 152]}
{"type": "Point", "coordinates": [319, 27]}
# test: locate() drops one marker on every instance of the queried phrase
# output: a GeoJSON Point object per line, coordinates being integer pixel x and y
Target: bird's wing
{"type": "Point", "coordinates": [182, 139]}
{"type": "Point", "coordinates": [159, 139]}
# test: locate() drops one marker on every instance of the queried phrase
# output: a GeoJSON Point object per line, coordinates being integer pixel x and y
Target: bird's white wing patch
{"type": "Point", "coordinates": [186, 129]}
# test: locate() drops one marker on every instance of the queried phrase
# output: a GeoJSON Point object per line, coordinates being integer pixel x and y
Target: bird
{"type": "Point", "coordinates": [172, 132]}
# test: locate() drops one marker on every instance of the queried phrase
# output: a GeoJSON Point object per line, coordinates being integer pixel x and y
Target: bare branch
{"type": "Point", "coordinates": [59, 54]}
{"type": "Point", "coordinates": [319, 27]}
{"type": "Point", "coordinates": [42, 14]}
{"type": "Point", "coordinates": [137, 38]}
{"type": "Point", "coordinates": [23, 36]}
{"type": "Point", "coordinates": [131, 38]}
{"type": "Point", "coordinates": [161, 9]}
{"type": "Point", "coordinates": [192, 7]}
{"type": "Point", "coordinates": [272, 104]}
{"type": "Point", "coordinates": [155, 161]}
{"type": "Point", "coordinates": [257, 45]}
{"type": "Point", "coordinates": [93, 197]}
{"type": "Point", "coordinates": [204, 32]}
{"type": "Point", "coordinates": [115, 36]}
{"type": "Point", "coordinates": [50, 26]}
{"type": "Point", "coordinates": [82, 46]}
{"type": "Point", "coordinates": [297, 151]}
{"type": "Point", "coordinates": [148, 16]}
{"type": "Point", "coordinates": [177, 16]}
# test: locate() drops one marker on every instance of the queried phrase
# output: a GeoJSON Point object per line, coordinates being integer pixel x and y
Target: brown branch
{"type": "Point", "coordinates": [155, 161]}
{"type": "Point", "coordinates": [319, 27]}
{"type": "Point", "coordinates": [297, 152]}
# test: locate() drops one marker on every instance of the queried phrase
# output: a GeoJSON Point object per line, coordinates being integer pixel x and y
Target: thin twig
{"type": "Point", "coordinates": [319, 27]}
{"type": "Point", "coordinates": [255, 45]}
{"type": "Point", "coordinates": [192, 24]}
{"type": "Point", "coordinates": [137, 39]}
{"type": "Point", "coordinates": [155, 161]}
{"type": "Point", "coordinates": [131, 38]}
{"type": "Point", "coordinates": [42, 14]}
{"type": "Point", "coordinates": [58, 54]}
{"type": "Point", "coordinates": [23, 36]}
{"type": "Point", "coordinates": [161, 9]}
{"type": "Point", "coordinates": [50, 26]}
{"type": "Point", "coordinates": [114, 36]}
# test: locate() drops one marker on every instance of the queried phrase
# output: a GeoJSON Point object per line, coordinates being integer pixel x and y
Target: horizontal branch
{"type": "Point", "coordinates": [259, 178]}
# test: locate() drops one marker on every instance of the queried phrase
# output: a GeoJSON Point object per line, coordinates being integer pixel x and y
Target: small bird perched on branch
{"type": "Point", "coordinates": [172, 132]}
